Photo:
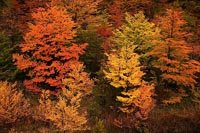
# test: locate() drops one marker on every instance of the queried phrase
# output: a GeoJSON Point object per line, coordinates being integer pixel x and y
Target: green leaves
{"type": "Point", "coordinates": [7, 69]}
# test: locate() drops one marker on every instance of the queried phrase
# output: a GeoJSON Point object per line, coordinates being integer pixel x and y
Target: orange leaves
{"type": "Point", "coordinates": [172, 53]}
{"type": "Point", "coordinates": [50, 24]}
{"type": "Point", "coordinates": [25, 64]}
{"type": "Point", "coordinates": [172, 23]}
{"type": "Point", "coordinates": [48, 47]}
{"type": "Point", "coordinates": [135, 99]}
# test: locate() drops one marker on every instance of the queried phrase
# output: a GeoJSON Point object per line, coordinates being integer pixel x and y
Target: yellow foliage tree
{"type": "Point", "coordinates": [78, 80]}
{"type": "Point", "coordinates": [66, 113]}
{"type": "Point", "coordinates": [123, 69]}
{"type": "Point", "coordinates": [13, 105]}
{"type": "Point", "coordinates": [83, 12]}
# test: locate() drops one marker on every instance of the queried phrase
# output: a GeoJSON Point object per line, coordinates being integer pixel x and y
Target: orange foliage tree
{"type": "Point", "coordinates": [172, 53]}
{"type": "Point", "coordinates": [48, 51]}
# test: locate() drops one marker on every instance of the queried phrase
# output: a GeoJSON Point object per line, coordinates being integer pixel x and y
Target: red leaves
{"type": "Point", "coordinates": [31, 86]}
{"type": "Point", "coordinates": [116, 14]}
{"type": "Point", "coordinates": [105, 31]}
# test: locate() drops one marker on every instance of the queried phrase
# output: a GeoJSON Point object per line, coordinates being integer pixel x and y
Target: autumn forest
{"type": "Point", "coordinates": [100, 66]}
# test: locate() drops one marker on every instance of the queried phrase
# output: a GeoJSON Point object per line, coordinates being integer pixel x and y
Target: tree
{"type": "Point", "coordinates": [123, 67]}
{"type": "Point", "coordinates": [7, 70]}
{"type": "Point", "coordinates": [139, 32]}
{"type": "Point", "coordinates": [22, 11]}
{"type": "Point", "coordinates": [134, 6]}
{"type": "Point", "coordinates": [123, 70]}
{"type": "Point", "coordinates": [66, 113]}
{"type": "Point", "coordinates": [172, 53]}
{"type": "Point", "coordinates": [48, 51]}
{"type": "Point", "coordinates": [84, 13]}
{"type": "Point", "coordinates": [94, 52]}
{"type": "Point", "coordinates": [136, 30]}
{"type": "Point", "coordinates": [116, 14]}
{"type": "Point", "coordinates": [13, 105]}
{"type": "Point", "coordinates": [138, 100]}
{"type": "Point", "coordinates": [63, 113]}
{"type": "Point", "coordinates": [142, 34]}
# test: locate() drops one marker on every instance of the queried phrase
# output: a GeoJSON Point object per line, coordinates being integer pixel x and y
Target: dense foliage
{"type": "Point", "coordinates": [99, 66]}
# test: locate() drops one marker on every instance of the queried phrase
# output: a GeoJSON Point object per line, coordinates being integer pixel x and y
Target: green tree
{"type": "Point", "coordinates": [138, 31]}
{"type": "Point", "coordinates": [7, 69]}
{"type": "Point", "coordinates": [94, 52]}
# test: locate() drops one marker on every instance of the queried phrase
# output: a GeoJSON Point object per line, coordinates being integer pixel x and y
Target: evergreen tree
{"type": "Point", "coordinates": [7, 69]}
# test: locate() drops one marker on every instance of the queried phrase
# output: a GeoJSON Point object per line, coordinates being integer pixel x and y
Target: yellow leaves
{"type": "Point", "coordinates": [122, 68]}
{"type": "Point", "coordinates": [63, 113]}
{"type": "Point", "coordinates": [137, 31]}
{"type": "Point", "coordinates": [196, 95]}
{"type": "Point", "coordinates": [77, 80]}
{"type": "Point", "coordinates": [13, 105]}
{"type": "Point", "coordinates": [140, 98]}
{"type": "Point", "coordinates": [83, 12]}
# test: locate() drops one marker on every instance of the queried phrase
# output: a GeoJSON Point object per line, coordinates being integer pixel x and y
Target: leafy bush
{"type": "Point", "coordinates": [64, 113]}
{"type": "Point", "coordinates": [99, 127]}
{"type": "Point", "coordinates": [13, 105]}
{"type": "Point", "coordinates": [183, 118]}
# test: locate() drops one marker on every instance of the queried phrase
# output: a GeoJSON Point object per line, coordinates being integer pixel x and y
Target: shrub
{"type": "Point", "coordinates": [99, 127]}
{"type": "Point", "coordinates": [63, 113]}
{"type": "Point", "coordinates": [13, 105]}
